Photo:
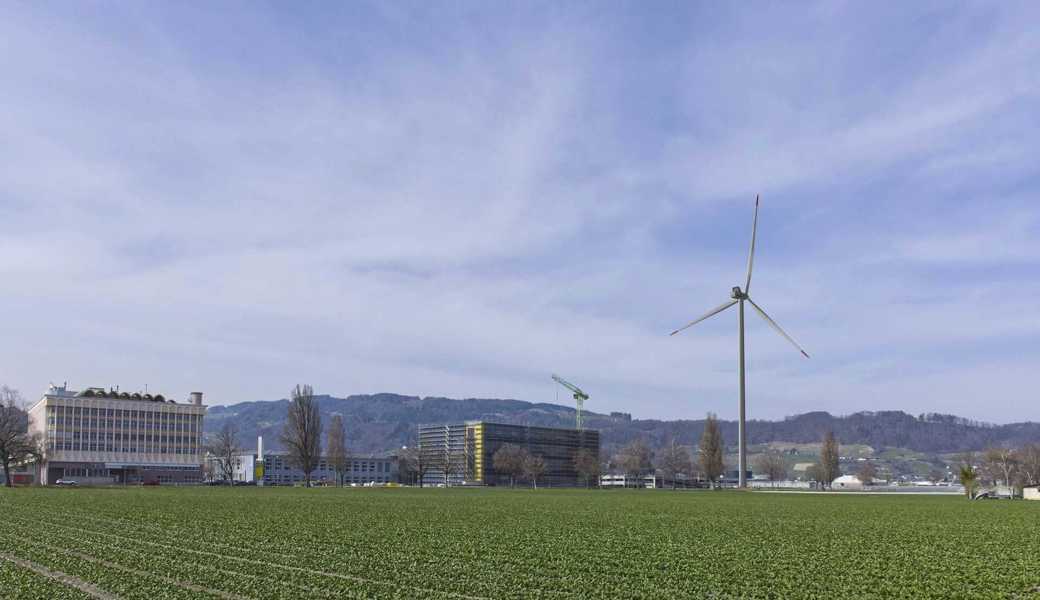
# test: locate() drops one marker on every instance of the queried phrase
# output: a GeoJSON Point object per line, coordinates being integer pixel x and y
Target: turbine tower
{"type": "Point", "coordinates": [738, 296]}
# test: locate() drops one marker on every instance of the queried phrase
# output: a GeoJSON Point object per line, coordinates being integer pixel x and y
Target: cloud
{"type": "Point", "coordinates": [461, 204]}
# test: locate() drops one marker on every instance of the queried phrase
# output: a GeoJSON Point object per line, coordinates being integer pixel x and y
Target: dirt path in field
{"type": "Point", "coordinates": [252, 561]}
{"type": "Point", "coordinates": [299, 586]}
{"type": "Point", "coordinates": [63, 578]}
{"type": "Point", "coordinates": [108, 520]}
{"type": "Point", "coordinates": [191, 587]}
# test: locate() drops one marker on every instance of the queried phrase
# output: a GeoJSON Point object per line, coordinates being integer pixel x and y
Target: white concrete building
{"type": "Point", "coordinates": [609, 480]}
{"type": "Point", "coordinates": [279, 470]}
{"type": "Point", "coordinates": [111, 437]}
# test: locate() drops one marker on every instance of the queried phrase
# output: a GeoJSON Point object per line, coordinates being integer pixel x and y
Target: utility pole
{"type": "Point", "coordinates": [742, 427]}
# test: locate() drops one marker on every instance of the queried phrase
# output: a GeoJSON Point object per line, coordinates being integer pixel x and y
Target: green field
{"type": "Point", "coordinates": [408, 543]}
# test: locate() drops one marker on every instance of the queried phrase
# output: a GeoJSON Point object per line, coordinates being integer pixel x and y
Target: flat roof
{"type": "Point", "coordinates": [497, 424]}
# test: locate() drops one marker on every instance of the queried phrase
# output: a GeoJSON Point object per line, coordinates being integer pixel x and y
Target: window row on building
{"type": "Point", "coordinates": [365, 466]}
{"type": "Point", "coordinates": [100, 418]}
{"type": "Point", "coordinates": [127, 431]}
{"type": "Point", "coordinates": [102, 441]}
{"type": "Point", "coordinates": [279, 469]}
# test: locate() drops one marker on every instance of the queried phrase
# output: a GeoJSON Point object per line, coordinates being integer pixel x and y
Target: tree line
{"type": "Point", "coordinates": [1015, 468]}
{"type": "Point", "coordinates": [301, 437]}
{"type": "Point", "coordinates": [302, 434]}
{"type": "Point", "coordinates": [636, 460]}
{"type": "Point", "coordinates": [706, 463]}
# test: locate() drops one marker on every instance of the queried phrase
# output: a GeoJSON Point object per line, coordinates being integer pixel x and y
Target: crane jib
{"type": "Point", "coordinates": [579, 397]}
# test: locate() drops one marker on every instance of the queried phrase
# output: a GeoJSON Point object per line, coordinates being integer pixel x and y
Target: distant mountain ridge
{"type": "Point", "coordinates": [379, 423]}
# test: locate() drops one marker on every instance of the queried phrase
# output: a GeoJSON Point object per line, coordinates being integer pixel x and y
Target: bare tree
{"type": "Point", "coordinates": [587, 464]}
{"type": "Point", "coordinates": [866, 473]}
{"type": "Point", "coordinates": [452, 461]}
{"type": "Point", "coordinates": [1029, 464]}
{"type": "Point", "coordinates": [773, 464]}
{"type": "Point", "coordinates": [224, 449]}
{"type": "Point", "coordinates": [36, 453]}
{"type": "Point", "coordinates": [830, 468]}
{"type": "Point", "coordinates": [534, 467]}
{"type": "Point", "coordinates": [16, 444]}
{"type": "Point", "coordinates": [302, 433]}
{"type": "Point", "coordinates": [411, 462]}
{"type": "Point", "coordinates": [675, 461]}
{"type": "Point", "coordinates": [709, 452]}
{"type": "Point", "coordinates": [1001, 465]}
{"type": "Point", "coordinates": [509, 460]}
{"type": "Point", "coordinates": [209, 471]}
{"type": "Point", "coordinates": [634, 459]}
{"type": "Point", "coordinates": [337, 444]}
{"type": "Point", "coordinates": [815, 474]}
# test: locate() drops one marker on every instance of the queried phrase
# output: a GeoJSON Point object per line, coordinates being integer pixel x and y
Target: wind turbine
{"type": "Point", "coordinates": [738, 296]}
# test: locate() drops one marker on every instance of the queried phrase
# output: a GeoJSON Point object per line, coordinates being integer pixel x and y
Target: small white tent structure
{"type": "Point", "coordinates": [847, 482]}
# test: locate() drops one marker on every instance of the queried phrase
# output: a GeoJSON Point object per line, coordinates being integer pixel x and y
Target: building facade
{"type": "Point", "coordinates": [463, 453]}
{"type": "Point", "coordinates": [104, 437]}
{"type": "Point", "coordinates": [278, 470]}
{"type": "Point", "coordinates": [655, 480]}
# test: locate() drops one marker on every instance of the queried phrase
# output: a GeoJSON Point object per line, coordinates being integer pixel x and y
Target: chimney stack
{"type": "Point", "coordinates": [196, 398]}
{"type": "Point", "coordinates": [258, 470]}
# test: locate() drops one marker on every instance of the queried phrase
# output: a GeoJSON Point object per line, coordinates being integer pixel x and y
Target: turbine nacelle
{"type": "Point", "coordinates": [736, 294]}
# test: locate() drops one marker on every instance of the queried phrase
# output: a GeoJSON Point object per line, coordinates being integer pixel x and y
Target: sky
{"type": "Point", "coordinates": [461, 198]}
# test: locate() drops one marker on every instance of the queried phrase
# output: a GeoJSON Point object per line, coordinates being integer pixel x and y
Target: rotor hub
{"type": "Point", "coordinates": [737, 294]}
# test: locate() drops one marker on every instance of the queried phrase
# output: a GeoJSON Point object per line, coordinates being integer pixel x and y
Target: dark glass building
{"type": "Point", "coordinates": [462, 453]}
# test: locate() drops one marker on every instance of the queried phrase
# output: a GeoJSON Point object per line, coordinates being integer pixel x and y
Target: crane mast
{"type": "Point", "coordinates": [579, 397]}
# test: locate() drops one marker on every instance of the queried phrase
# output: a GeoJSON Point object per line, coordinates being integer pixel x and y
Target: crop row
{"type": "Point", "coordinates": [20, 583]}
{"type": "Point", "coordinates": [298, 543]}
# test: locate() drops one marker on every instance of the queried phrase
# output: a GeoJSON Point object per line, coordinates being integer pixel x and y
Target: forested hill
{"type": "Point", "coordinates": [382, 422]}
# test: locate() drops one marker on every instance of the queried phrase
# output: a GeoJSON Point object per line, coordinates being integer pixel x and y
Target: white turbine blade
{"type": "Point", "coordinates": [710, 313]}
{"type": "Point", "coordinates": [777, 327]}
{"type": "Point", "coordinates": [751, 253]}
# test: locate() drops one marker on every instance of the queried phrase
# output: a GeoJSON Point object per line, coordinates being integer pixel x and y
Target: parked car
{"type": "Point", "coordinates": [65, 482]}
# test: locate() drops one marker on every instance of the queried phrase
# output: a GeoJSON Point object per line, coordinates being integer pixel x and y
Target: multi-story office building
{"type": "Point", "coordinates": [463, 453]}
{"type": "Point", "coordinates": [279, 470]}
{"type": "Point", "coordinates": [111, 437]}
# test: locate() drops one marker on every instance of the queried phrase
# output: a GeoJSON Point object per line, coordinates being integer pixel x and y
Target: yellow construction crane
{"type": "Point", "coordinates": [579, 396]}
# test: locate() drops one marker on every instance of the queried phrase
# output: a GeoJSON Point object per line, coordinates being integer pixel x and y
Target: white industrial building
{"type": "Point", "coordinates": [361, 470]}
{"type": "Point", "coordinates": [279, 470]}
{"type": "Point", "coordinates": [110, 437]}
